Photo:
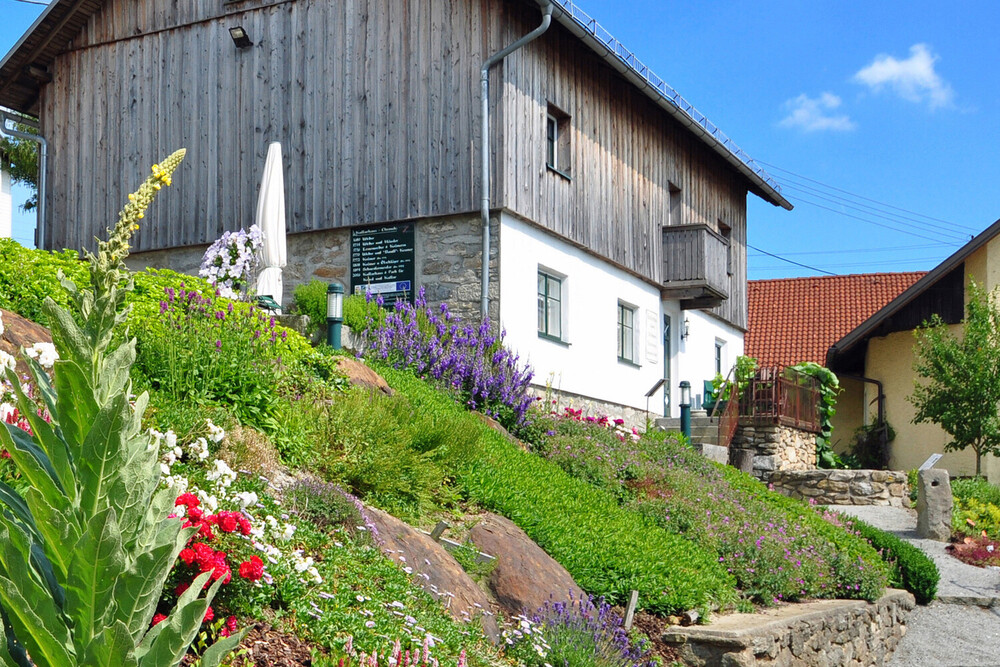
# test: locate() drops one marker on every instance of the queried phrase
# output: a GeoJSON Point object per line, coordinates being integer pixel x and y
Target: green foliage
{"type": "Point", "coordinates": [609, 550]}
{"type": "Point", "coordinates": [977, 507]}
{"type": "Point", "coordinates": [959, 387]}
{"type": "Point", "coordinates": [20, 158]}
{"type": "Point", "coordinates": [829, 387]}
{"type": "Point", "coordinates": [28, 276]}
{"type": "Point", "coordinates": [85, 552]}
{"type": "Point", "coordinates": [870, 450]}
{"type": "Point", "coordinates": [310, 299]}
{"type": "Point", "coordinates": [359, 312]}
{"type": "Point", "coordinates": [910, 568]}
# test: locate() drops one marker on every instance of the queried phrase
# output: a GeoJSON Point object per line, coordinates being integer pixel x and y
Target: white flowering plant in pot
{"type": "Point", "coordinates": [230, 263]}
{"type": "Point", "coordinates": [86, 549]}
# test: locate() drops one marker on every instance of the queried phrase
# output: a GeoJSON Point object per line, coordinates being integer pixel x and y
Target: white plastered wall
{"type": "Point", "coordinates": [6, 205]}
{"type": "Point", "coordinates": [586, 362]}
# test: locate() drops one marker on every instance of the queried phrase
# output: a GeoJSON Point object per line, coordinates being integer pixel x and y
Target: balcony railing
{"type": "Point", "coordinates": [782, 396]}
{"type": "Point", "coordinates": [695, 266]}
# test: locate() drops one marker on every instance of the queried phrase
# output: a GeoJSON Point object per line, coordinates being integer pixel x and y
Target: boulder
{"type": "Point", "coordinates": [934, 504]}
{"type": "Point", "coordinates": [525, 577]}
{"type": "Point", "coordinates": [19, 332]}
{"type": "Point", "coordinates": [434, 570]}
{"type": "Point", "coordinates": [361, 376]}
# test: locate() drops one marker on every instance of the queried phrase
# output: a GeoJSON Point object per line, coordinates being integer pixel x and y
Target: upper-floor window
{"type": "Point", "coordinates": [626, 333]}
{"type": "Point", "coordinates": [557, 141]}
{"type": "Point", "coordinates": [550, 305]}
{"type": "Point", "coordinates": [674, 210]}
{"type": "Point", "coordinates": [727, 233]}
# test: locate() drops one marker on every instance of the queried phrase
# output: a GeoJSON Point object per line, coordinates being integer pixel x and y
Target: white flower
{"type": "Point", "coordinates": [288, 531]}
{"type": "Point", "coordinates": [209, 500]}
{"type": "Point", "coordinates": [6, 410]}
{"type": "Point", "coordinates": [199, 449]}
{"type": "Point", "coordinates": [164, 469]}
{"type": "Point", "coordinates": [246, 498]}
{"type": "Point", "coordinates": [44, 353]}
{"type": "Point", "coordinates": [215, 433]}
{"type": "Point", "coordinates": [171, 439]}
{"type": "Point", "coordinates": [6, 360]}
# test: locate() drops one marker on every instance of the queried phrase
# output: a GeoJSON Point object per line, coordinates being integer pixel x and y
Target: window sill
{"type": "Point", "coordinates": [628, 362]}
{"type": "Point", "coordinates": [553, 339]}
{"type": "Point", "coordinates": [559, 173]}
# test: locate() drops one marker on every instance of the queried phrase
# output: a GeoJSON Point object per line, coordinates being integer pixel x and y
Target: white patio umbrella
{"type": "Point", "coordinates": [271, 220]}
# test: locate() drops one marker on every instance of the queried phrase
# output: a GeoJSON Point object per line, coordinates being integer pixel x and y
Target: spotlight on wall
{"type": "Point", "coordinates": [687, 329]}
{"type": "Point", "coordinates": [240, 37]}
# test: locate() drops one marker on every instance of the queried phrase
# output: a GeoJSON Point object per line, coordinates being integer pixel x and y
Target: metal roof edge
{"type": "Point", "coordinates": [861, 332]}
{"type": "Point", "coordinates": [760, 186]}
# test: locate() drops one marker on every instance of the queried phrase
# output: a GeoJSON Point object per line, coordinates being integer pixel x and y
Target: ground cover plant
{"type": "Point", "coordinates": [976, 512]}
{"type": "Point", "coordinates": [777, 549]}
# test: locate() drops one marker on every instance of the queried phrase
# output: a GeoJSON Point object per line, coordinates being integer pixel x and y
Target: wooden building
{"type": "Point", "coordinates": [376, 105]}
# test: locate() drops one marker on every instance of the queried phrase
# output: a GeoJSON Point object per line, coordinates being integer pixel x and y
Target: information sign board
{"type": "Point", "coordinates": [382, 261]}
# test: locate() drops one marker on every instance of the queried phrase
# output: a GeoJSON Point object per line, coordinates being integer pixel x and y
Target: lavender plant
{"type": "Point", "coordinates": [230, 262]}
{"type": "Point", "coordinates": [84, 552]}
{"type": "Point", "coordinates": [579, 633]}
{"type": "Point", "coordinates": [436, 345]}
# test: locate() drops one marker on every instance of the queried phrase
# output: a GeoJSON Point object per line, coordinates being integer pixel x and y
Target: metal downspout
{"type": "Point", "coordinates": [43, 158]}
{"type": "Point", "coordinates": [484, 78]}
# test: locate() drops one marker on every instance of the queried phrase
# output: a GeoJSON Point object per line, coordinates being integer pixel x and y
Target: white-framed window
{"type": "Point", "coordinates": [551, 305]}
{"type": "Point", "coordinates": [557, 144]}
{"type": "Point", "coordinates": [627, 325]}
{"type": "Point", "coordinates": [720, 356]}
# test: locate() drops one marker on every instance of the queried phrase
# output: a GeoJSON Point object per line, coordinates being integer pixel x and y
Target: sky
{"type": "Point", "coordinates": [879, 120]}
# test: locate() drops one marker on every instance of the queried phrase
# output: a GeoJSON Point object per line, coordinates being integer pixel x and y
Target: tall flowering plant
{"type": "Point", "coordinates": [470, 359]}
{"type": "Point", "coordinates": [84, 552]}
{"type": "Point", "coordinates": [230, 262]}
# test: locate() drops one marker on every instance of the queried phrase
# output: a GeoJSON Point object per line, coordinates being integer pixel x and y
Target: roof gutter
{"type": "Point", "coordinates": [484, 100]}
{"type": "Point", "coordinates": [766, 191]}
{"type": "Point", "coordinates": [43, 159]}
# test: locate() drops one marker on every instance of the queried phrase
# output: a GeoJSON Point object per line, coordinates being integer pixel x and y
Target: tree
{"type": "Point", "coordinates": [20, 158]}
{"type": "Point", "coordinates": [962, 392]}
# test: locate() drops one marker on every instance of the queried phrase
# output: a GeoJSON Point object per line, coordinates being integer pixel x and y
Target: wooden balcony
{"type": "Point", "coordinates": [695, 266]}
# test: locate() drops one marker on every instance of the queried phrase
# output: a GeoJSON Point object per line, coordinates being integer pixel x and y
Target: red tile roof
{"type": "Point", "coordinates": [797, 319]}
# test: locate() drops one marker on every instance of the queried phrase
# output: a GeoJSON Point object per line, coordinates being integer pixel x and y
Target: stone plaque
{"type": "Point", "coordinates": [382, 261]}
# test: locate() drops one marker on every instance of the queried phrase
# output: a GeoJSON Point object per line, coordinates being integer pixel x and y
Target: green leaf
{"type": "Point", "coordinates": [214, 654]}
{"type": "Point", "coordinates": [33, 463]}
{"type": "Point", "coordinates": [35, 619]}
{"type": "Point", "coordinates": [97, 564]}
{"type": "Point", "coordinates": [19, 508]}
{"type": "Point", "coordinates": [102, 455]}
{"type": "Point", "coordinates": [74, 400]}
{"type": "Point", "coordinates": [69, 338]}
{"type": "Point", "coordinates": [115, 372]}
{"type": "Point", "coordinates": [11, 651]}
{"type": "Point", "coordinates": [112, 647]}
{"type": "Point", "coordinates": [175, 634]}
{"type": "Point", "coordinates": [56, 528]}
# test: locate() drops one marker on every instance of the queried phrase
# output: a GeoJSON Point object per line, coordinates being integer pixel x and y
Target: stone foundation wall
{"type": "Point", "coordinates": [828, 633]}
{"type": "Point", "coordinates": [776, 447]}
{"type": "Point", "coordinates": [447, 261]}
{"type": "Point", "coordinates": [843, 487]}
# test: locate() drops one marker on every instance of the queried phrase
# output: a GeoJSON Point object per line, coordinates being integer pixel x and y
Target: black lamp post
{"type": "Point", "coordinates": [686, 409]}
{"type": "Point", "coordinates": [334, 314]}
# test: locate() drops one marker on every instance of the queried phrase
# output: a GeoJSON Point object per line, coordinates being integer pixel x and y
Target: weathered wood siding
{"type": "Point", "coordinates": [626, 153]}
{"type": "Point", "coordinates": [374, 102]}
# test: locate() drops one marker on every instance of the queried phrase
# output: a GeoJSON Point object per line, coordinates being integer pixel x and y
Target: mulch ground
{"type": "Point", "coordinates": [652, 627]}
{"type": "Point", "coordinates": [266, 647]}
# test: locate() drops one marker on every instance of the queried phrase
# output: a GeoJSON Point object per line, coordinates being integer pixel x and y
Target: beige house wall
{"type": "Point", "coordinates": [850, 414]}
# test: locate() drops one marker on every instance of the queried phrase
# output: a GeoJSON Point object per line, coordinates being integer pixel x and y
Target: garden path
{"type": "Point", "coordinates": [962, 627]}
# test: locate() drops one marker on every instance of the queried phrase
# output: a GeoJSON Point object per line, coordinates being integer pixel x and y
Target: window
{"type": "Point", "coordinates": [727, 233]}
{"type": "Point", "coordinates": [626, 333]}
{"type": "Point", "coordinates": [720, 349]}
{"type": "Point", "coordinates": [557, 135]}
{"type": "Point", "coordinates": [674, 213]}
{"type": "Point", "coordinates": [550, 306]}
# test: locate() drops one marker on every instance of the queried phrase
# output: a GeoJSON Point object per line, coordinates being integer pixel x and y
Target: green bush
{"type": "Point", "coordinates": [608, 549]}
{"type": "Point", "coordinates": [310, 299]}
{"type": "Point", "coordinates": [910, 568]}
{"type": "Point", "coordinates": [28, 276]}
{"type": "Point", "coordinates": [978, 488]}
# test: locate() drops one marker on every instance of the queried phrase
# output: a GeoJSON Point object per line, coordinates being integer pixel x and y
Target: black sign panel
{"type": "Point", "coordinates": [382, 261]}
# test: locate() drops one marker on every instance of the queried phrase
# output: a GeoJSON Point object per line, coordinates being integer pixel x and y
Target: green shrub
{"type": "Point", "coordinates": [608, 549]}
{"type": "Point", "coordinates": [28, 276]}
{"type": "Point", "coordinates": [978, 488]}
{"type": "Point", "coordinates": [310, 299]}
{"type": "Point", "coordinates": [910, 568]}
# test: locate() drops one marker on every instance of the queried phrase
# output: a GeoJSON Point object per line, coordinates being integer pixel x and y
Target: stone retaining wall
{"type": "Point", "coordinates": [634, 418]}
{"type": "Point", "coordinates": [843, 487]}
{"type": "Point", "coordinates": [826, 633]}
{"type": "Point", "coordinates": [776, 447]}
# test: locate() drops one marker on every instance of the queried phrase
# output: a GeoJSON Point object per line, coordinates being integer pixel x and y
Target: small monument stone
{"type": "Point", "coordinates": [934, 505]}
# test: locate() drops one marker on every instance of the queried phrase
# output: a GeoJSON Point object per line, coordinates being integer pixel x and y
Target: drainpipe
{"type": "Point", "coordinates": [43, 158]}
{"type": "Point", "coordinates": [484, 79]}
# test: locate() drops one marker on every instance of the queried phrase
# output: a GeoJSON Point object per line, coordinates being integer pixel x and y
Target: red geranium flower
{"type": "Point", "coordinates": [159, 618]}
{"type": "Point", "coordinates": [188, 499]}
{"type": "Point", "coordinates": [252, 569]}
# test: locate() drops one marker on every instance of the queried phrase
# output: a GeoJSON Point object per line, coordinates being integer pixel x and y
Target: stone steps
{"type": "Point", "coordinates": [704, 430]}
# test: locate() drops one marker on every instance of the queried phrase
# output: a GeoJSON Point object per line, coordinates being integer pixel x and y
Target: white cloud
{"type": "Point", "coordinates": [913, 79]}
{"type": "Point", "coordinates": [812, 114]}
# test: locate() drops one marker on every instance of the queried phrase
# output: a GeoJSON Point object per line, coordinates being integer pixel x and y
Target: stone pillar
{"type": "Point", "coordinates": [934, 504]}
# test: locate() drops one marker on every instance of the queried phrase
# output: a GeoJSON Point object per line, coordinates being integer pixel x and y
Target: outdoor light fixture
{"type": "Point", "coordinates": [687, 329]}
{"type": "Point", "coordinates": [334, 314]}
{"type": "Point", "coordinates": [686, 409]}
{"type": "Point", "coordinates": [240, 37]}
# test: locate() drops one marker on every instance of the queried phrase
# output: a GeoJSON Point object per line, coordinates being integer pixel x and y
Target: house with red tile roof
{"type": "Point", "coordinates": [792, 320]}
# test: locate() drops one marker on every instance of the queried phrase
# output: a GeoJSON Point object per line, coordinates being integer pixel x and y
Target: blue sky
{"type": "Point", "coordinates": [885, 111]}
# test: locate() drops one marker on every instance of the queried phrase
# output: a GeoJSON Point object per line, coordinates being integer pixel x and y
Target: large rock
{"type": "Point", "coordinates": [934, 504]}
{"type": "Point", "coordinates": [19, 332]}
{"type": "Point", "coordinates": [360, 375]}
{"type": "Point", "coordinates": [525, 577]}
{"type": "Point", "coordinates": [434, 570]}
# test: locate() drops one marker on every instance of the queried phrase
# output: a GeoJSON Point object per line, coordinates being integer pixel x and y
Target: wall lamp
{"type": "Point", "coordinates": [687, 329]}
{"type": "Point", "coordinates": [240, 37]}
